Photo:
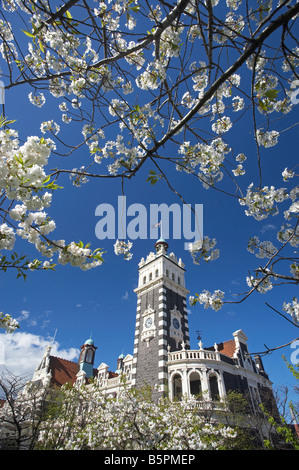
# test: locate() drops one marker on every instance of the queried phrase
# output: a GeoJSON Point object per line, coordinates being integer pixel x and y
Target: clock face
{"type": "Point", "coordinates": [148, 322]}
{"type": "Point", "coordinates": [175, 323]}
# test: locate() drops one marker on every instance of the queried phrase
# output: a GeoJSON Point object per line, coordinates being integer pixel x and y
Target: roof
{"type": "Point", "coordinates": [227, 348]}
{"type": "Point", "coordinates": [63, 371]}
{"type": "Point", "coordinates": [89, 341]}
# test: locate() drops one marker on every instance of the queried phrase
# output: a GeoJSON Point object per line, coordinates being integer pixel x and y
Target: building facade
{"type": "Point", "coordinates": [162, 357]}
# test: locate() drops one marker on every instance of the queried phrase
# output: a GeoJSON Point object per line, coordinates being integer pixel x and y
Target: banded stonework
{"type": "Point", "coordinates": [161, 319]}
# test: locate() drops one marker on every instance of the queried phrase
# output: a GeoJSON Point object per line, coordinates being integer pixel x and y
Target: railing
{"type": "Point", "coordinates": [189, 355]}
{"type": "Point", "coordinates": [204, 405]}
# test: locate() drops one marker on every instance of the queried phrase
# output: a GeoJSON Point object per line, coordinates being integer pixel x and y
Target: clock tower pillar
{"type": "Point", "coordinates": [161, 319]}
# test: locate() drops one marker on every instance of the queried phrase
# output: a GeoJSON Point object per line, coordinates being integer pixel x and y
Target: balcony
{"type": "Point", "coordinates": [197, 355]}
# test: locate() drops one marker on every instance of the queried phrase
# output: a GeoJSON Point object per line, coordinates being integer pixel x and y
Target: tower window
{"type": "Point", "coordinates": [157, 272]}
{"type": "Point", "coordinates": [167, 273]}
{"type": "Point", "coordinates": [150, 276]}
{"type": "Point", "coordinates": [179, 280]}
{"type": "Point", "coordinates": [173, 276]}
{"type": "Point", "coordinates": [89, 356]}
{"type": "Point", "coordinates": [144, 280]}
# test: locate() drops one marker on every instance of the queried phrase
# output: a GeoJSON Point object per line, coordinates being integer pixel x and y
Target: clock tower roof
{"type": "Point", "coordinates": [161, 246]}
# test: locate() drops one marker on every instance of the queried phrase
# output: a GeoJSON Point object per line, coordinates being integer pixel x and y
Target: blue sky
{"type": "Point", "coordinates": [101, 302]}
{"type": "Point", "coordinates": [72, 304]}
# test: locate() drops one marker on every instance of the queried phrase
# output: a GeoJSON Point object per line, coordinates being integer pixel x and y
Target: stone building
{"type": "Point", "coordinates": [162, 357]}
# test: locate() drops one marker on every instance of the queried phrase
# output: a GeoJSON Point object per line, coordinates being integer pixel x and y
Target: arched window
{"type": "Point", "coordinates": [144, 280]}
{"type": "Point", "coordinates": [214, 390]}
{"type": "Point", "coordinates": [173, 276]}
{"type": "Point", "coordinates": [157, 272]}
{"type": "Point", "coordinates": [177, 387]}
{"type": "Point", "coordinates": [167, 273]}
{"type": "Point", "coordinates": [195, 384]}
{"type": "Point", "coordinates": [179, 280]}
{"type": "Point", "coordinates": [150, 276]}
{"type": "Point", "coordinates": [89, 356]}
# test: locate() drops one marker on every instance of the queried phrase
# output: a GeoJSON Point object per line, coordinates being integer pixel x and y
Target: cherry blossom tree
{"type": "Point", "coordinates": [137, 78]}
{"type": "Point", "coordinates": [83, 418]}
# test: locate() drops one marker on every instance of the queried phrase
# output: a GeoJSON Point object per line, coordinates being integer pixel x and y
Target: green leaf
{"type": "Point", "coordinates": [272, 94]}
{"type": "Point", "coordinates": [30, 35]}
{"type": "Point", "coordinates": [262, 105]}
{"type": "Point", "coordinates": [154, 177]}
{"type": "Point", "coordinates": [41, 46]}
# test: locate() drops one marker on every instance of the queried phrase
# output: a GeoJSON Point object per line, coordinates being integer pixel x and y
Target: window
{"type": "Point", "coordinates": [144, 280]}
{"type": "Point", "coordinates": [150, 276]}
{"type": "Point", "coordinates": [179, 280]}
{"type": "Point", "coordinates": [173, 276]}
{"type": "Point", "coordinates": [89, 356]}
{"type": "Point", "coordinates": [157, 272]}
{"type": "Point", "coordinates": [195, 384]}
{"type": "Point", "coordinates": [214, 390]}
{"type": "Point", "coordinates": [177, 387]}
{"type": "Point", "coordinates": [167, 273]}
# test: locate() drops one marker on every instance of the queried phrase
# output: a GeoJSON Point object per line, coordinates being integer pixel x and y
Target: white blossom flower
{"type": "Point", "coordinates": [7, 237]}
{"type": "Point", "coordinates": [263, 202]}
{"type": "Point", "coordinates": [222, 125]}
{"type": "Point", "coordinates": [50, 126]}
{"type": "Point", "coordinates": [214, 300]}
{"type": "Point", "coordinates": [267, 139]}
{"type": "Point", "coordinates": [287, 174]}
{"type": "Point", "coordinates": [239, 170]}
{"type": "Point", "coordinates": [292, 309]}
{"type": "Point", "coordinates": [8, 323]}
{"type": "Point", "coordinates": [37, 100]}
{"type": "Point", "coordinates": [123, 248]}
{"type": "Point", "coordinates": [204, 249]}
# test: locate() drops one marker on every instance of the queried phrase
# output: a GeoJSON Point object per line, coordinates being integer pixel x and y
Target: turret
{"type": "Point", "coordinates": [86, 359]}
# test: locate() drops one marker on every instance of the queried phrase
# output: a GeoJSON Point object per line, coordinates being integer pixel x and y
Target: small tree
{"type": "Point", "coordinates": [23, 411]}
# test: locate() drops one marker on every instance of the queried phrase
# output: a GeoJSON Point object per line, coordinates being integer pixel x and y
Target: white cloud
{"type": "Point", "coordinates": [126, 295]}
{"type": "Point", "coordinates": [24, 315]}
{"type": "Point", "coordinates": [267, 227]}
{"type": "Point", "coordinates": [21, 352]}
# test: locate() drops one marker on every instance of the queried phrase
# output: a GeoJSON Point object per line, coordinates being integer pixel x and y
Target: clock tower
{"type": "Point", "coordinates": [161, 319]}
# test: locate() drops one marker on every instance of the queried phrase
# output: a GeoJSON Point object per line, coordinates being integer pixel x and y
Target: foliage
{"type": "Point", "coordinates": [85, 418]}
{"type": "Point", "coordinates": [281, 425]}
